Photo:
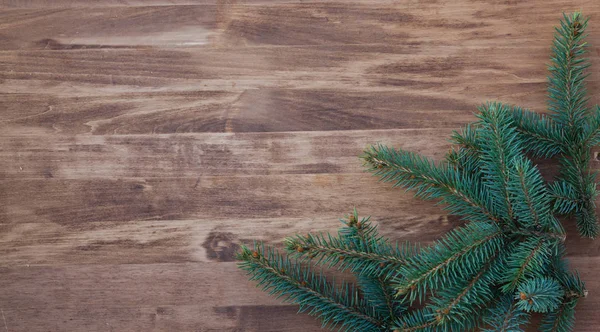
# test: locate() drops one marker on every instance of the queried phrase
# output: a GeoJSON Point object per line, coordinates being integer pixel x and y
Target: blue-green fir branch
{"type": "Point", "coordinates": [422, 320]}
{"type": "Point", "coordinates": [505, 316]}
{"type": "Point", "coordinates": [501, 146]}
{"type": "Point", "coordinates": [526, 260]}
{"type": "Point", "coordinates": [531, 199]}
{"type": "Point", "coordinates": [567, 102]}
{"type": "Point", "coordinates": [337, 306]}
{"type": "Point", "coordinates": [561, 319]}
{"type": "Point", "coordinates": [541, 135]}
{"type": "Point", "coordinates": [464, 161]}
{"type": "Point", "coordinates": [461, 253]}
{"type": "Point", "coordinates": [459, 306]}
{"type": "Point", "coordinates": [468, 137]}
{"type": "Point", "coordinates": [361, 234]}
{"type": "Point", "coordinates": [379, 294]}
{"type": "Point", "coordinates": [591, 129]}
{"type": "Point", "coordinates": [377, 257]}
{"type": "Point", "coordinates": [566, 90]}
{"type": "Point", "coordinates": [462, 193]}
{"type": "Point", "coordinates": [542, 294]}
{"type": "Point", "coordinates": [566, 199]}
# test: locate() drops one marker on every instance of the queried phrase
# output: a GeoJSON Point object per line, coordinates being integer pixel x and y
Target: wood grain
{"type": "Point", "coordinates": [141, 142]}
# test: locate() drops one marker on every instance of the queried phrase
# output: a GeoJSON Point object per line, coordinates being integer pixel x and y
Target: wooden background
{"type": "Point", "coordinates": [142, 141]}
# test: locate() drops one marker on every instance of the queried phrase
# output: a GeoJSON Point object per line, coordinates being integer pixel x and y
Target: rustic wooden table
{"type": "Point", "coordinates": [142, 141]}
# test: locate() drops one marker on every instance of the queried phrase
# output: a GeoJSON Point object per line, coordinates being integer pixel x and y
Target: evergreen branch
{"type": "Point", "coordinates": [380, 296]}
{"type": "Point", "coordinates": [587, 223]}
{"type": "Point", "coordinates": [531, 199]}
{"type": "Point", "coordinates": [467, 157]}
{"type": "Point", "coordinates": [377, 290]}
{"type": "Point", "coordinates": [539, 295]}
{"type": "Point", "coordinates": [573, 285]}
{"type": "Point", "coordinates": [458, 306]}
{"type": "Point", "coordinates": [566, 88]}
{"type": "Point", "coordinates": [464, 161]}
{"type": "Point", "coordinates": [422, 320]}
{"type": "Point", "coordinates": [575, 172]}
{"type": "Point", "coordinates": [530, 194]}
{"type": "Point", "coordinates": [568, 102]}
{"type": "Point", "coordinates": [540, 134]}
{"type": "Point", "coordinates": [358, 248]}
{"type": "Point", "coordinates": [501, 146]}
{"type": "Point", "coordinates": [560, 320]}
{"type": "Point", "coordinates": [566, 198]}
{"type": "Point", "coordinates": [551, 237]}
{"type": "Point", "coordinates": [462, 193]}
{"type": "Point", "coordinates": [468, 138]}
{"type": "Point", "coordinates": [460, 254]}
{"type": "Point", "coordinates": [342, 308]}
{"type": "Point", "coordinates": [505, 316]}
{"type": "Point", "coordinates": [526, 260]}
{"type": "Point", "coordinates": [591, 130]}
{"type": "Point", "coordinates": [363, 235]}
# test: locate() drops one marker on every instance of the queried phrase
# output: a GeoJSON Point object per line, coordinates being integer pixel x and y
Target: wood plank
{"type": "Point", "coordinates": [194, 240]}
{"type": "Point", "coordinates": [73, 202]}
{"type": "Point", "coordinates": [146, 3]}
{"type": "Point", "coordinates": [291, 23]}
{"type": "Point", "coordinates": [153, 297]}
{"type": "Point", "coordinates": [193, 155]}
{"type": "Point", "coordinates": [139, 91]}
{"type": "Point", "coordinates": [199, 296]}
{"type": "Point", "coordinates": [235, 69]}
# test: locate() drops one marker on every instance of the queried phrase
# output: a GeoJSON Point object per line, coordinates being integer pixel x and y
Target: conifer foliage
{"type": "Point", "coordinates": [505, 263]}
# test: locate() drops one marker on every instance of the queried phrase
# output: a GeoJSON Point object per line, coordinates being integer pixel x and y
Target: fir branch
{"type": "Point", "coordinates": [505, 316]}
{"type": "Point", "coordinates": [560, 320]}
{"type": "Point", "coordinates": [467, 158]}
{"type": "Point", "coordinates": [513, 245]}
{"type": "Point", "coordinates": [501, 146]}
{"type": "Point", "coordinates": [586, 220]}
{"type": "Point", "coordinates": [464, 161]}
{"type": "Point", "coordinates": [540, 134]}
{"type": "Point", "coordinates": [531, 199]}
{"type": "Point", "coordinates": [358, 248]}
{"type": "Point", "coordinates": [591, 130]}
{"type": "Point", "coordinates": [342, 308]}
{"type": "Point", "coordinates": [468, 138]}
{"type": "Point", "coordinates": [459, 306]}
{"type": "Point", "coordinates": [539, 295]}
{"type": "Point", "coordinates": [461, 253]}
{"type": "Point", "coordinates": [573, 285]}
{"type": "Point", "coordinates": [575, 172]}
{"type": "Point", "coordinates": [525, 260]}
{"type": "Point", "coordinates": [331, 251]}
{"type": "Point", "coordinates": [566, 88]}
{"type": "Point", "coordinates": [566, 198]}
{"type": "Point", "coordinates": [568, 102]}
{"type": "Point", "coordinates": [422, 320]}
{"type": "Point", "coordinates": [550, 237]}
{"type": "Point", "coordinates": [380, 296]}
{"type": "Point", "coordinates": [462, 193]}
{"type": "Point", "coordinates": [378, 291]}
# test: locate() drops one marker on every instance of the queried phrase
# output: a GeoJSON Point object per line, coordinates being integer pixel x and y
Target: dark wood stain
{"type": "Point", "coordinates": [141, 142]}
